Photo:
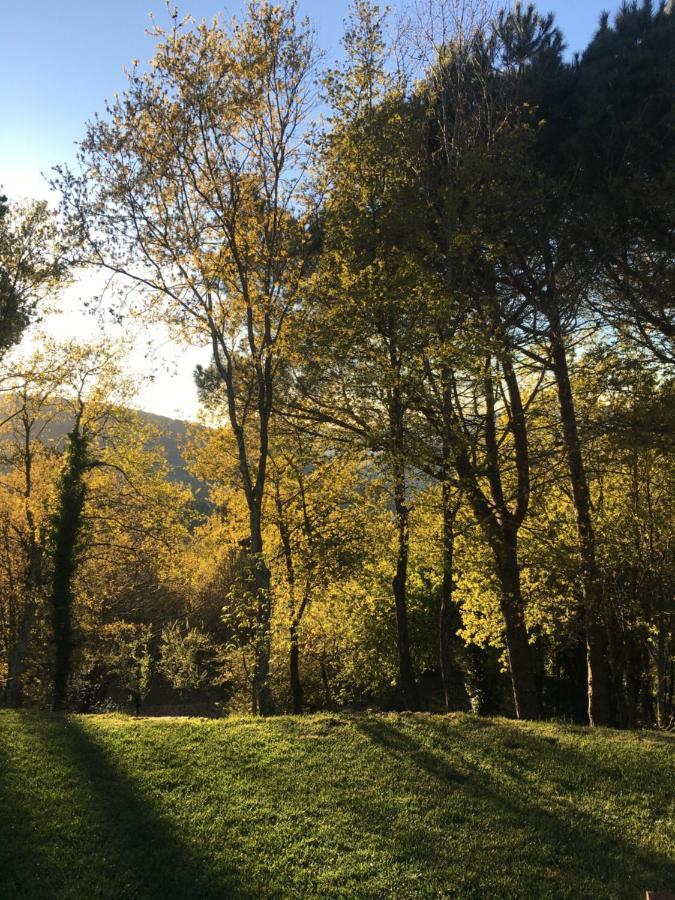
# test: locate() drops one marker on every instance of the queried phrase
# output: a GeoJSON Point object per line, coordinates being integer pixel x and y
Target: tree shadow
{"type": "Point", "coordinates": [447, 812]}
{"type": "Point", "coordinates": [21, 872]}
{"type": "Point", "coordinates": [565, 850]}
{"type": "Point", "coordinates": [112, 837]}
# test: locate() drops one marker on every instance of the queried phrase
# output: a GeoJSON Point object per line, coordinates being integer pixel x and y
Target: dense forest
{"type": "Point", "coordinates": [435, 463]}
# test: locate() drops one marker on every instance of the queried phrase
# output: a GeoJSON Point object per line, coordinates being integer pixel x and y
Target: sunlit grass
{"type": "Point", "coordinates": [331, 806]}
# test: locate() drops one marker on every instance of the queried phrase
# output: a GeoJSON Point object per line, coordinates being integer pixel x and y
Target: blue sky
{"type": "Point", "coordinates": [59, 61]}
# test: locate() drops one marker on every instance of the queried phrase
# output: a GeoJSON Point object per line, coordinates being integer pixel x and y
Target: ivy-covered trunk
{"type": "Point", "coordinates": [66, 529]}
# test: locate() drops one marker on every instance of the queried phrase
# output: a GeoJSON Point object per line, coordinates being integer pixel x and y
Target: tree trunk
{"type": "Point", "coordinates": [449, 618]}
{"type": "Point", "coordinates": [13, 693]}
{"type": "Point", "coordinates": [295, 614]}
{"type": "Point", "coordinates": [481, 678]}
{"type": "Point", "coordinates": [617, 661]}
{"type": "Point", "coordinates": [16, 655]}
{"type": "Point", "coordinates": [262, 584]}
{"type": "Point", "coordinates": [633, 680]}
{"type": "Point", "coordinates": [518, 648]}
{"type": "Point", "coordinates": [326, 684]}
{"type": "Point", "coordinates": [22, 615]}
{"type": "Point", "coordinates": [502, 538]}
{"type": "Point", "coordinates": [599, 709]}
{"type": "Point", "coordinates": [500, 526]}
{"type": "Point", "coordinates": [661, 675]}
{"type": "Point", "coordinates": [407, 683]}
{"type": "Point", "coordinates": [296, 683]}
{"type": "Point", "coordinates": [647, 717]}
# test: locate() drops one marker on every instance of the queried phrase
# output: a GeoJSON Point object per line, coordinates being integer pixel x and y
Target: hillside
{"type": "Point", "coordinates": [56, 422]}
{"type": "Point", "coordinates": [331, 806]}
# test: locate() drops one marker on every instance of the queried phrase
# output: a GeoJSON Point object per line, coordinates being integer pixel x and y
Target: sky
{"type": "Point", "coordinates": [60, 60]}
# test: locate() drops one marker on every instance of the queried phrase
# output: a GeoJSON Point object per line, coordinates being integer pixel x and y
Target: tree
{"type": "Point", "coordinates": [30, 408]}
{"type": "Point", "coordinates": [544, 264]}
{"type": "Point", "coordinates": [182, 657]}
{"type": "Point", "coordinates": [133, 534]}
{"type": "Point", "coordinates": [626, 411]}
{"type": "Point", "coordinates": [319, 515]}
{"type": "Point", "coordinates": [32, 265]}
{"type": "Point", "coordinates": [367, 283]}
{"type": "Point", "coordinates": [91, 386]}
{"type": "Point", "coordinates": [192, 188]}
{"type": "Point", "coordinates": [129, 659]}
{"type": "Point", "coordinates": [66, 529]}
{"type": "Point", "coordinates": [470, 395]}
{"type": "Point", "coordinates": [624, 151]}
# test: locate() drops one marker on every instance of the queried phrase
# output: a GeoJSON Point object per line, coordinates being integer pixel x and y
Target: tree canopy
{"type": "Point", "coordinates": [435, 465]}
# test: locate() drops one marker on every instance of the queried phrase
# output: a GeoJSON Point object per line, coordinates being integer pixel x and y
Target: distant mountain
{"type": "Point", "coordinates": [173, 434]}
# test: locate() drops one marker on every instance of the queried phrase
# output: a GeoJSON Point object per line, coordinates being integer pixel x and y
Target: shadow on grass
{"type": "Point", "coordinates": [20, 874]}
{"type": "Point", "coordinates": [555, 849]}
{"type": "Point", "coordinates": [409, 808]}
{"type": "Point", "coordinates": [109, 841]}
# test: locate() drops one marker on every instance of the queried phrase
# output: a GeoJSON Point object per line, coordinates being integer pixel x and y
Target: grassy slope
{"type": "Point", "coordinates": [362, 806]}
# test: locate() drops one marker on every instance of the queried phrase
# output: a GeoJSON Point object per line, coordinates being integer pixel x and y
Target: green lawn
{"type": "Point", "coordinates": [331, 806]}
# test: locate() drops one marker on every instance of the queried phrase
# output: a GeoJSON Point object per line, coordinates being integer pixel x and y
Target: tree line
{"type": "Point", "coordinates": [437, 281]}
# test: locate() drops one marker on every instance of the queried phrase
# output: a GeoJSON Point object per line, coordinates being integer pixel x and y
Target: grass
{"type": "Point", "coordinates": [331, 806]}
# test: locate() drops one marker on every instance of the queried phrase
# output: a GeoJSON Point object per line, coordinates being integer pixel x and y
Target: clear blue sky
{"type": "Point", "coordinates": [59, 60]}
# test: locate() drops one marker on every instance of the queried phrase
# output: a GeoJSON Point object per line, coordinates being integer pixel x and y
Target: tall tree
{"type": "Point", "coordinates": [192, 188]}
{"type": "Point", "coordinates": [471, 393]}
{"type": "Point", "coordinates": [363, 305]}
{"type": "Point", "coordinates": [91, 385]}
{"type": "Point", "coordinates": [546, 268]}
